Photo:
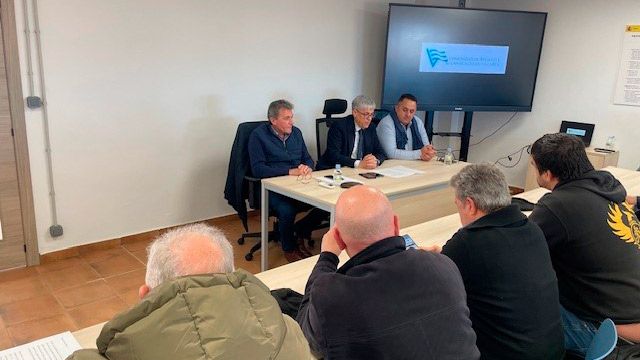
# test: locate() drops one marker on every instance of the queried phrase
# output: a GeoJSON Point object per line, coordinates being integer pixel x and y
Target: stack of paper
{"type": "Point", "coordinates": [56, 347]}
{"type": "Point", "coordinates": [398, 172]}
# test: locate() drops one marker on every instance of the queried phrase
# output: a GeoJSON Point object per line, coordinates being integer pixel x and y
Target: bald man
{"type": "Point", "coordinates": [192, 298]}
{"type": "Point", "coordinates": [386, 302]}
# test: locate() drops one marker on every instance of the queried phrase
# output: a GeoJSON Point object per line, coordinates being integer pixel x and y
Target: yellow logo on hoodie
{"type": "Point", "coordinates": [624, 223]}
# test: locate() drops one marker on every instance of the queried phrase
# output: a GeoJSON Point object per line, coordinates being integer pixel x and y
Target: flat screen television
{"type": "Point", "coordinates": [461, 59]}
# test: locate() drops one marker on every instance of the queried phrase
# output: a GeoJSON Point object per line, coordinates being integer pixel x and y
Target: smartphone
{"type": "Point", "coordinates": [370, 175]}
{"type": "Point", "coordinates": [408, 242]}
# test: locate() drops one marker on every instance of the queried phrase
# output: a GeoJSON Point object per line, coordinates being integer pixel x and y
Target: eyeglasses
{"type": "Point", "coordinates": [304, 178]}
{"type": "Point", "coordinates": [367, 115]}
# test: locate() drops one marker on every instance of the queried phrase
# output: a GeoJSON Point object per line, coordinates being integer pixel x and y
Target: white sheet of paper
{"type": "Point", "coordinates": [56, 347]}
{"type": "Point", "coordinates": [398, 172]}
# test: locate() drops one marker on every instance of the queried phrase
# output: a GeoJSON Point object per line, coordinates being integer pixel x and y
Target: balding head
{"type": "Point", "coordinates": [188, 250]}
{"type": "Point", "coordinates": [363, 217]}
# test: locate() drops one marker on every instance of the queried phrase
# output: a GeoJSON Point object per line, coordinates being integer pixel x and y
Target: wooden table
{"type": "Point", "coordinates": [435, 177]}
{"type": "Point", "coordinates": [438, 231]}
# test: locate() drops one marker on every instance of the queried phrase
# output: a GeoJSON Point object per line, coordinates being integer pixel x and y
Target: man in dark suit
{"type": "Point", "coordinates": [353, 141]}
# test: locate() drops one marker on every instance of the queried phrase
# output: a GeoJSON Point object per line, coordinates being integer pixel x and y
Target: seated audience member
{"type": "Point", "coordinates": [277, 149]}
{"type": "Point", "coordinates": [593, 238]}
{"type": "Point", "coordinates": [195, 306]}
{"type": "Point", "coordinates": [402, 134]}
{"type": "Point", "coordinates": [385, 302]}
{"type": "Point", "coordinates": [352, 141]}
{"type": "Point", "coordinates": [512, 291]}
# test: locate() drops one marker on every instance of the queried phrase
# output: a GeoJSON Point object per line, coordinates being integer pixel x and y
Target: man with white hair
{"type": "Point", "coordinates": [512, 290]}
{"type": "Point", "coordinates": [195, 306]}
{"type": "Point", "coordinates": [386, 302]}
{"type": "Point", "coordinates": [353, 141]}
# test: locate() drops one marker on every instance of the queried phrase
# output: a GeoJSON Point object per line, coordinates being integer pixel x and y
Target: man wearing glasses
{"type": "Point", "coordinates": [352, 141]}
{"type": "Point", "coordinates": [277, 148]}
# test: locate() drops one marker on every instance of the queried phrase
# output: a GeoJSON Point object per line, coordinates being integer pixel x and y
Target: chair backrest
{"type": "Point", "coordinates": [236, 189]}
{"type": "Point", "coordinates": [603, 342]}
{"type": "Point", "coordinates": [331, 107]}
{"type": "Point", "coordinates": [378, 114]}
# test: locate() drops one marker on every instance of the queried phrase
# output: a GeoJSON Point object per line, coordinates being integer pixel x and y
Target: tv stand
{"type": "Point", "coordinates": [465, 134]}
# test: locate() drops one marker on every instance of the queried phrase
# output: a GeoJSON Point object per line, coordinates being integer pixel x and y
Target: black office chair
{"type": "Point", "coordinates": [378, 114]}
{"type": "Point", "coordinates": [331, 107]}
{"type": "Point", "coordinates": [241, 187]}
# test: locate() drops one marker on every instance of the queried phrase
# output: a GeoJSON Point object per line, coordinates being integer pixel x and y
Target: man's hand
{"type": "Point", "coordinates": [427, 152]}
{"type": "Point", "coordinates": [368, 162]}
{"type": "Point", "coordinates": [330, 242]}
{"type": "Point", "coordinates": [302, 169]}
{"type": "Point", "coordinates": [632, 200]}
{"type": "Point", "coordinates": [431, 248]}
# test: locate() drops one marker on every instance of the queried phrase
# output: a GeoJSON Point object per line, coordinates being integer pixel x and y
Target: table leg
{"type": "Point", "coordinates": [264, 229]}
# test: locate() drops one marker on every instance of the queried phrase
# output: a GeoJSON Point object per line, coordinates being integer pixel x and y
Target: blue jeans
{"type": "Point", "coordinates": [577, 332]}
{"type": "Point", "coordinates": [286, 210]}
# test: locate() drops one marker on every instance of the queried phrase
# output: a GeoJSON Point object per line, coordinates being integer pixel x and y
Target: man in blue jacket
{"type": "Point", "coordinates": [277, 148]}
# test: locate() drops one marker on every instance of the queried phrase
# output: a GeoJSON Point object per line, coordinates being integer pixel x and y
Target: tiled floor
{"type": "Point", "coordinates": [91, 288]}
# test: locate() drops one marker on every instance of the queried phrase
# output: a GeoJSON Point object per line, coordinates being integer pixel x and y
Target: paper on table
{"type": "Point", "coordinates": [398, 171]}
{"type": "Point", "coordinates": [56, 347]}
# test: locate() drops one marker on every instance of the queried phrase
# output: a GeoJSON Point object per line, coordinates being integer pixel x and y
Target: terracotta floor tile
{"type": "Point", "coordinates": [117, 265]}
{"type": "Point", "coordinates": [59, 264]}
{"type": "Point", "coordinates": [93, 256]}
{"type": "Point", "coordinates": [130, 297]}
{"type": "Point", "coordinates": [18, 274]}
{"type": "Point", "coordinates": [36, 329]}
{"type": "Point", "coordinates": [140, 255]}
{"type": "Point", "coordinates": [97, 312]}
{"type": "Point", "coordinates": [69, 277]}
{"type": "Point", "coordinates": [16, 290]}
{"type": "Point", "coordinates": [31, 309]}
{"type": "Point", "coordinates": [5, 339]}
{"type": "Point", "coordinates": [125, 282]}
{"type": "Point", "coordinates": [84, 294]}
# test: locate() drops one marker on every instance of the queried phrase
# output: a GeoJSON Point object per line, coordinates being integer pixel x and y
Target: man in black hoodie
{"type": "Point", "coordinates": [594, 241]}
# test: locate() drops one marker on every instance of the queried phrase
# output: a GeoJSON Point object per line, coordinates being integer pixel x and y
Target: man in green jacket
{"type": "Point", "coordinates": [195, 306]}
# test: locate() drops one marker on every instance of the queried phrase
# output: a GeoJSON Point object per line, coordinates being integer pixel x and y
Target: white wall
{"type": "Point", "coordinates": [144, 98]}
{"type": "Point", "coordinates": [576, 79]}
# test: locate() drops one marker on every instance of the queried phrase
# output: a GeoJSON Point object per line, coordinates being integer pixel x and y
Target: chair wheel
{"type": "Point", "coordinates": [241, 241]}
{"type": "Point", "coordinates": [311, 243]}
{"type": "Point", "coordinates": [248, 257]}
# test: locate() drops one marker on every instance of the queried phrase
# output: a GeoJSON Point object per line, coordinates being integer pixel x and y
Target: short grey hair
{"type": "Point", "coordinates": [362, 102]}
{"type": "Point", "coordinates": [485, 184]}
{"type": "Point", "coordinates": [165, 254]}
{"type": "Point", "coordinates": [276, 106]}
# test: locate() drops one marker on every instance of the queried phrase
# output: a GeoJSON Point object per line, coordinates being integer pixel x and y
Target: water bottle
{"type": "Point", "coordinates": [448, 157]}
{"type": "Point", "coordinates": [337, 174]}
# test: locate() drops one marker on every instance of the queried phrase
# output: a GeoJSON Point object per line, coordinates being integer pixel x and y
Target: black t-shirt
{"type": "Point", "coordinates": [512, 292]}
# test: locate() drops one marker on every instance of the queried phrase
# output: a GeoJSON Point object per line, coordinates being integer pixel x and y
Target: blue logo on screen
{"type": "Point", "coordinates": [436, 55]}
{"type": "Point", "coordinates": [463, 58]}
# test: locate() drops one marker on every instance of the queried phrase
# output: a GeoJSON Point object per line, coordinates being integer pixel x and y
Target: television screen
{"type": "Point", "coordinates": [458, 59]}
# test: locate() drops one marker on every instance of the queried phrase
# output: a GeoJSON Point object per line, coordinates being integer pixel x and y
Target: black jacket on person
{"type": "Point", "coordinates": [594, 240]}
{"type": "Point", "coordinates": [387, 303]}
{"type": "Point", "coordinates": [340, 142]}
{"type": "Point", "coordinates": [512, 291]}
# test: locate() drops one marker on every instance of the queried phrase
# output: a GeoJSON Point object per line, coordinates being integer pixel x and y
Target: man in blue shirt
{"type": "Point", "coordinates": [277, 148]}
{"type": "Point", "coordinates": [402, 134]}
